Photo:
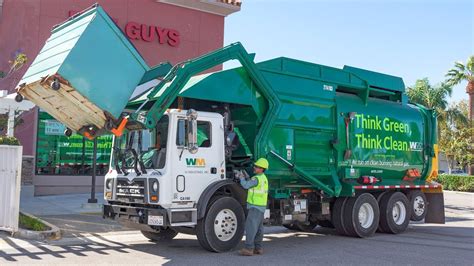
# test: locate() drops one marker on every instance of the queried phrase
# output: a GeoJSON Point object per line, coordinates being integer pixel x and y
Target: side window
{"type": "Point", "coordinates": [181, 134]}
{"type": "Point", "coordinates": [204, 134]}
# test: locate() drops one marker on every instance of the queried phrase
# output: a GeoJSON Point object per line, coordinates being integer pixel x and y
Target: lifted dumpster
{"type": "Point", "coordinates": [85, 73]}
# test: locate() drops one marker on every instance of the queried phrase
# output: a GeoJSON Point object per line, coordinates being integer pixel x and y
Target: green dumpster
{"type": "Point", "coordinates": [85, 73]}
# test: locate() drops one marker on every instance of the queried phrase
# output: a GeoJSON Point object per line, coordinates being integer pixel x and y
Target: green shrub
{"type": "Point", "coordinates": [457, 182]}
{"type": "Point", "coordinates": [30, 223]}
{"type": "Point", "coordinates": [4, 140]}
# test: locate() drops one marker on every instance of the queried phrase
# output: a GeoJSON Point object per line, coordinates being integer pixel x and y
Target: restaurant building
{"type": "Point", "coordinates": [161, 30]}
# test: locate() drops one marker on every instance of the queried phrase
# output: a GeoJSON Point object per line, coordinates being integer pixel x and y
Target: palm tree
{"type": "Point", "coordinates": [450, 118]}
{"type": "Point", "coordinates": [464, 72]}
{"type": "Point", "coordinates": [436, 98]}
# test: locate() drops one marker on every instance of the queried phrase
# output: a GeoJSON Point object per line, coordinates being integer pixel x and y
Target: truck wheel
{"type": "Point", "coordinates": [325, 223]}
{"type": "Point", "coordinates": [418, 203]}
{"type": "Point", "coordinates": [361, 215]}
{"type": "Point", "coordinates": [337, 218]}
{"type": "Point", "coordinates": [223, 226]}
{"type": "Point", "coordinates": [161, 235]}
{"type": "Point", "coordinates": [395, 213]}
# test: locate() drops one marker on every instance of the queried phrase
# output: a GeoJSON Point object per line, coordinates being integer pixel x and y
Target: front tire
{"type": "Point", "coordinates": [223, 226]}
{"type": "Point", "coordinates": [418, 205]}
{"type": "Point", "coordinates": [161, 235]}
{"type": "Point", "coordinates": [395, 213]}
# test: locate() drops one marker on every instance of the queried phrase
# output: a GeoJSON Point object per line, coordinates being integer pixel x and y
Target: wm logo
{"type": "Point", "coordinates": [195, 162]}
{"type": "Point", "coordinates": [416, 146]}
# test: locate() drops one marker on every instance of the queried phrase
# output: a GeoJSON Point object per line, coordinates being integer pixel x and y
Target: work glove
{"type": "Point", "coordinates": [240, 174]}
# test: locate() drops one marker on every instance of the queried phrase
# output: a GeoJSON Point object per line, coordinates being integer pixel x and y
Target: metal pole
{"type": "Point", "coordinates": [11, 122]}
{"type": "Point", "coordinates": [83, 167]}
{"type": "Point", "coordinates": [94, 164]}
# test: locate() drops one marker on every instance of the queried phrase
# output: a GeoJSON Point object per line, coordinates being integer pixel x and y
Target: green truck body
{"type": "Point", "coordinates": [387, 136]}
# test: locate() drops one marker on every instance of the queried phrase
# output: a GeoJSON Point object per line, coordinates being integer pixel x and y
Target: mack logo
{"type": "Point", "coordinates": [195, 162]}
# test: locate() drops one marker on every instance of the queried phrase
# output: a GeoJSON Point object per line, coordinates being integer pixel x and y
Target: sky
{"type": "Point", "coordinates": [410, 39]}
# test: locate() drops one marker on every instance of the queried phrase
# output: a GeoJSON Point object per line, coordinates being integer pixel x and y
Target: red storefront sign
{"type": "Point", "coordinates": [150, 33]}
{"type": "Point", "coordinates": [147, 33]}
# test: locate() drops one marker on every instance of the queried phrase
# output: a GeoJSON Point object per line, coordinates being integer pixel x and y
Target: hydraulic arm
{"type": "Point", "coordinates": [180, 74]}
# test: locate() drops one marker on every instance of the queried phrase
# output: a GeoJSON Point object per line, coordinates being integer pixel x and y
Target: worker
{"type": "Point", "coordinates": [256, 204]}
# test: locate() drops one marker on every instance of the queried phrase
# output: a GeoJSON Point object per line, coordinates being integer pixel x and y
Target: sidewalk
{"type": "Point", "coordinates": [71, 213]}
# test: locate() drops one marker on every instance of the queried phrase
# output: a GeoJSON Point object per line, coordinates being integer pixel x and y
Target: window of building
{"type": "Point", "coordinates": [57, 154]}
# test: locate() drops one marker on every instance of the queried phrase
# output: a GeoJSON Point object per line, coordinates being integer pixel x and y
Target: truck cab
{"type": "Point", "coordinates": [166, 168]}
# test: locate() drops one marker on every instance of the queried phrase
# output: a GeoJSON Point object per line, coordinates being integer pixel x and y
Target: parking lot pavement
{"type": "Point", "coordinates": [422, 244]}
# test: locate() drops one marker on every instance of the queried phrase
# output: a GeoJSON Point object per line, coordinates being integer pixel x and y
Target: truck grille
{"type": "Point", "coordinates": [131, 191]}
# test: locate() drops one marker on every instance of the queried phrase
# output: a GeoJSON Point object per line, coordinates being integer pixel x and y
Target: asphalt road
{"type": "Point", "coordinates": [422, 244]}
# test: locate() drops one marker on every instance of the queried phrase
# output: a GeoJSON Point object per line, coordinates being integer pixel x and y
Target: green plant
{"type": "Point", "coordinates": [31, 223]}
{"type": "Point", "coordinates": [457, 182]}
{"type": "Point", "coordinates": [463, 72]}
{"type": "Point", "coordinates": [4, 140]}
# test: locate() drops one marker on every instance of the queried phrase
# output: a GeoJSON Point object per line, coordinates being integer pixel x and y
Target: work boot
{"type": "Point", "coordinates": [258, 251]}
{"type": "Point", "coordinates": [246, 252]}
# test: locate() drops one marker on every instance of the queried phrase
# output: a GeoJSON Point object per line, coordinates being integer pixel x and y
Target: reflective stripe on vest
{"type": "Point", "coordinates": [258, 195]}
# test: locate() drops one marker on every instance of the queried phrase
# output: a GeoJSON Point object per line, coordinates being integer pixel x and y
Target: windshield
{"type": "Point", "coordinates": [144, 148]}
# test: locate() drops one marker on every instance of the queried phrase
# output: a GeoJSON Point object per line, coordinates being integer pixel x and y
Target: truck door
{"type": "Point", "coordinates": [197, 170]}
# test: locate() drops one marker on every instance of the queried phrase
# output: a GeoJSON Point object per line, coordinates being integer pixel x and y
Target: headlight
{"type": "Point", "coordinates": [155, 186]}
{"type": "Point", "coordinates": [109, 184]}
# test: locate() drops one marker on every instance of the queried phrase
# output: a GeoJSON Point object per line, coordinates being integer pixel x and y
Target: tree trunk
{"type": "Point", "coordinates": [470, 92]}
{"type": "Point", "coordinates": [449, 161]}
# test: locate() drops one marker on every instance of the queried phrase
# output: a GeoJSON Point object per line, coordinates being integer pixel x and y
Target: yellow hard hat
{"type": "Point", "coordinates": [262, 163]}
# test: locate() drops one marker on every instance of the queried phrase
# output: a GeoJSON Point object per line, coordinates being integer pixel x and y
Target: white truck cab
{"type": "Point", "coordinates": [178, 166]}
{"type": "Point", "coordinates": [173, 178]}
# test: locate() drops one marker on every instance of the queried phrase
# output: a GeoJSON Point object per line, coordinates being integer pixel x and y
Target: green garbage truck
{"type": "Point", "coordinates": [346, 148]}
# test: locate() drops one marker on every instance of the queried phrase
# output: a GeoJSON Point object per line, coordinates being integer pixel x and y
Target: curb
{"type": "Point", "coordinates": [54, 233]}
{"type": "Point", "coordinates": [459, 192]}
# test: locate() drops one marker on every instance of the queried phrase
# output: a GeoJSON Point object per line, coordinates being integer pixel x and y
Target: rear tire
{"type": "Point", "coordinates": [394, 213]}
{"type": "Point", "coordinates": [223, 226]}
{"type": "Point", "coordinates": [418, 204]}
{"type": "Point", "coordinates": [337, 215]}
{"type": "Point", "coordinates": [161, 235]}
{"type": "Point", "coordinates": [361, 215]}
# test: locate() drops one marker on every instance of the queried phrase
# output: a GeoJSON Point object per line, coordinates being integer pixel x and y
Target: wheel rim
{"type": "Point", "coordinates": [366, 215]}
{"type": "Point", "coordinates": [225, 224]}
{"type": "Point", "coordinates": [399, 213]}
{"type": "Point", "coordinates": [418, 206]}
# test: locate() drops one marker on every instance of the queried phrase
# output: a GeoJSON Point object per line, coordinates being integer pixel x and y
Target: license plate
{"type": "Point", "coordinates": [155, 220]}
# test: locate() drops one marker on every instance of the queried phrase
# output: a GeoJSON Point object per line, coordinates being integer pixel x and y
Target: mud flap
{"type": "Point", "coordinates": [435, 211]}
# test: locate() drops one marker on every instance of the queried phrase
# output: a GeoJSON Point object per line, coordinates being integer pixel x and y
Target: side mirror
{"type": "Point", "coordinates": [192, 131]}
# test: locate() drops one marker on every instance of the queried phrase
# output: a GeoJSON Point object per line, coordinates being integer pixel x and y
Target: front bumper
{"type": "Point", "coordinates": [135, 217]}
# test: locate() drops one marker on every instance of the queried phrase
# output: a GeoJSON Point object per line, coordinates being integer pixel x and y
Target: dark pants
{"type": "Point", "coordinates": [254, 229]}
